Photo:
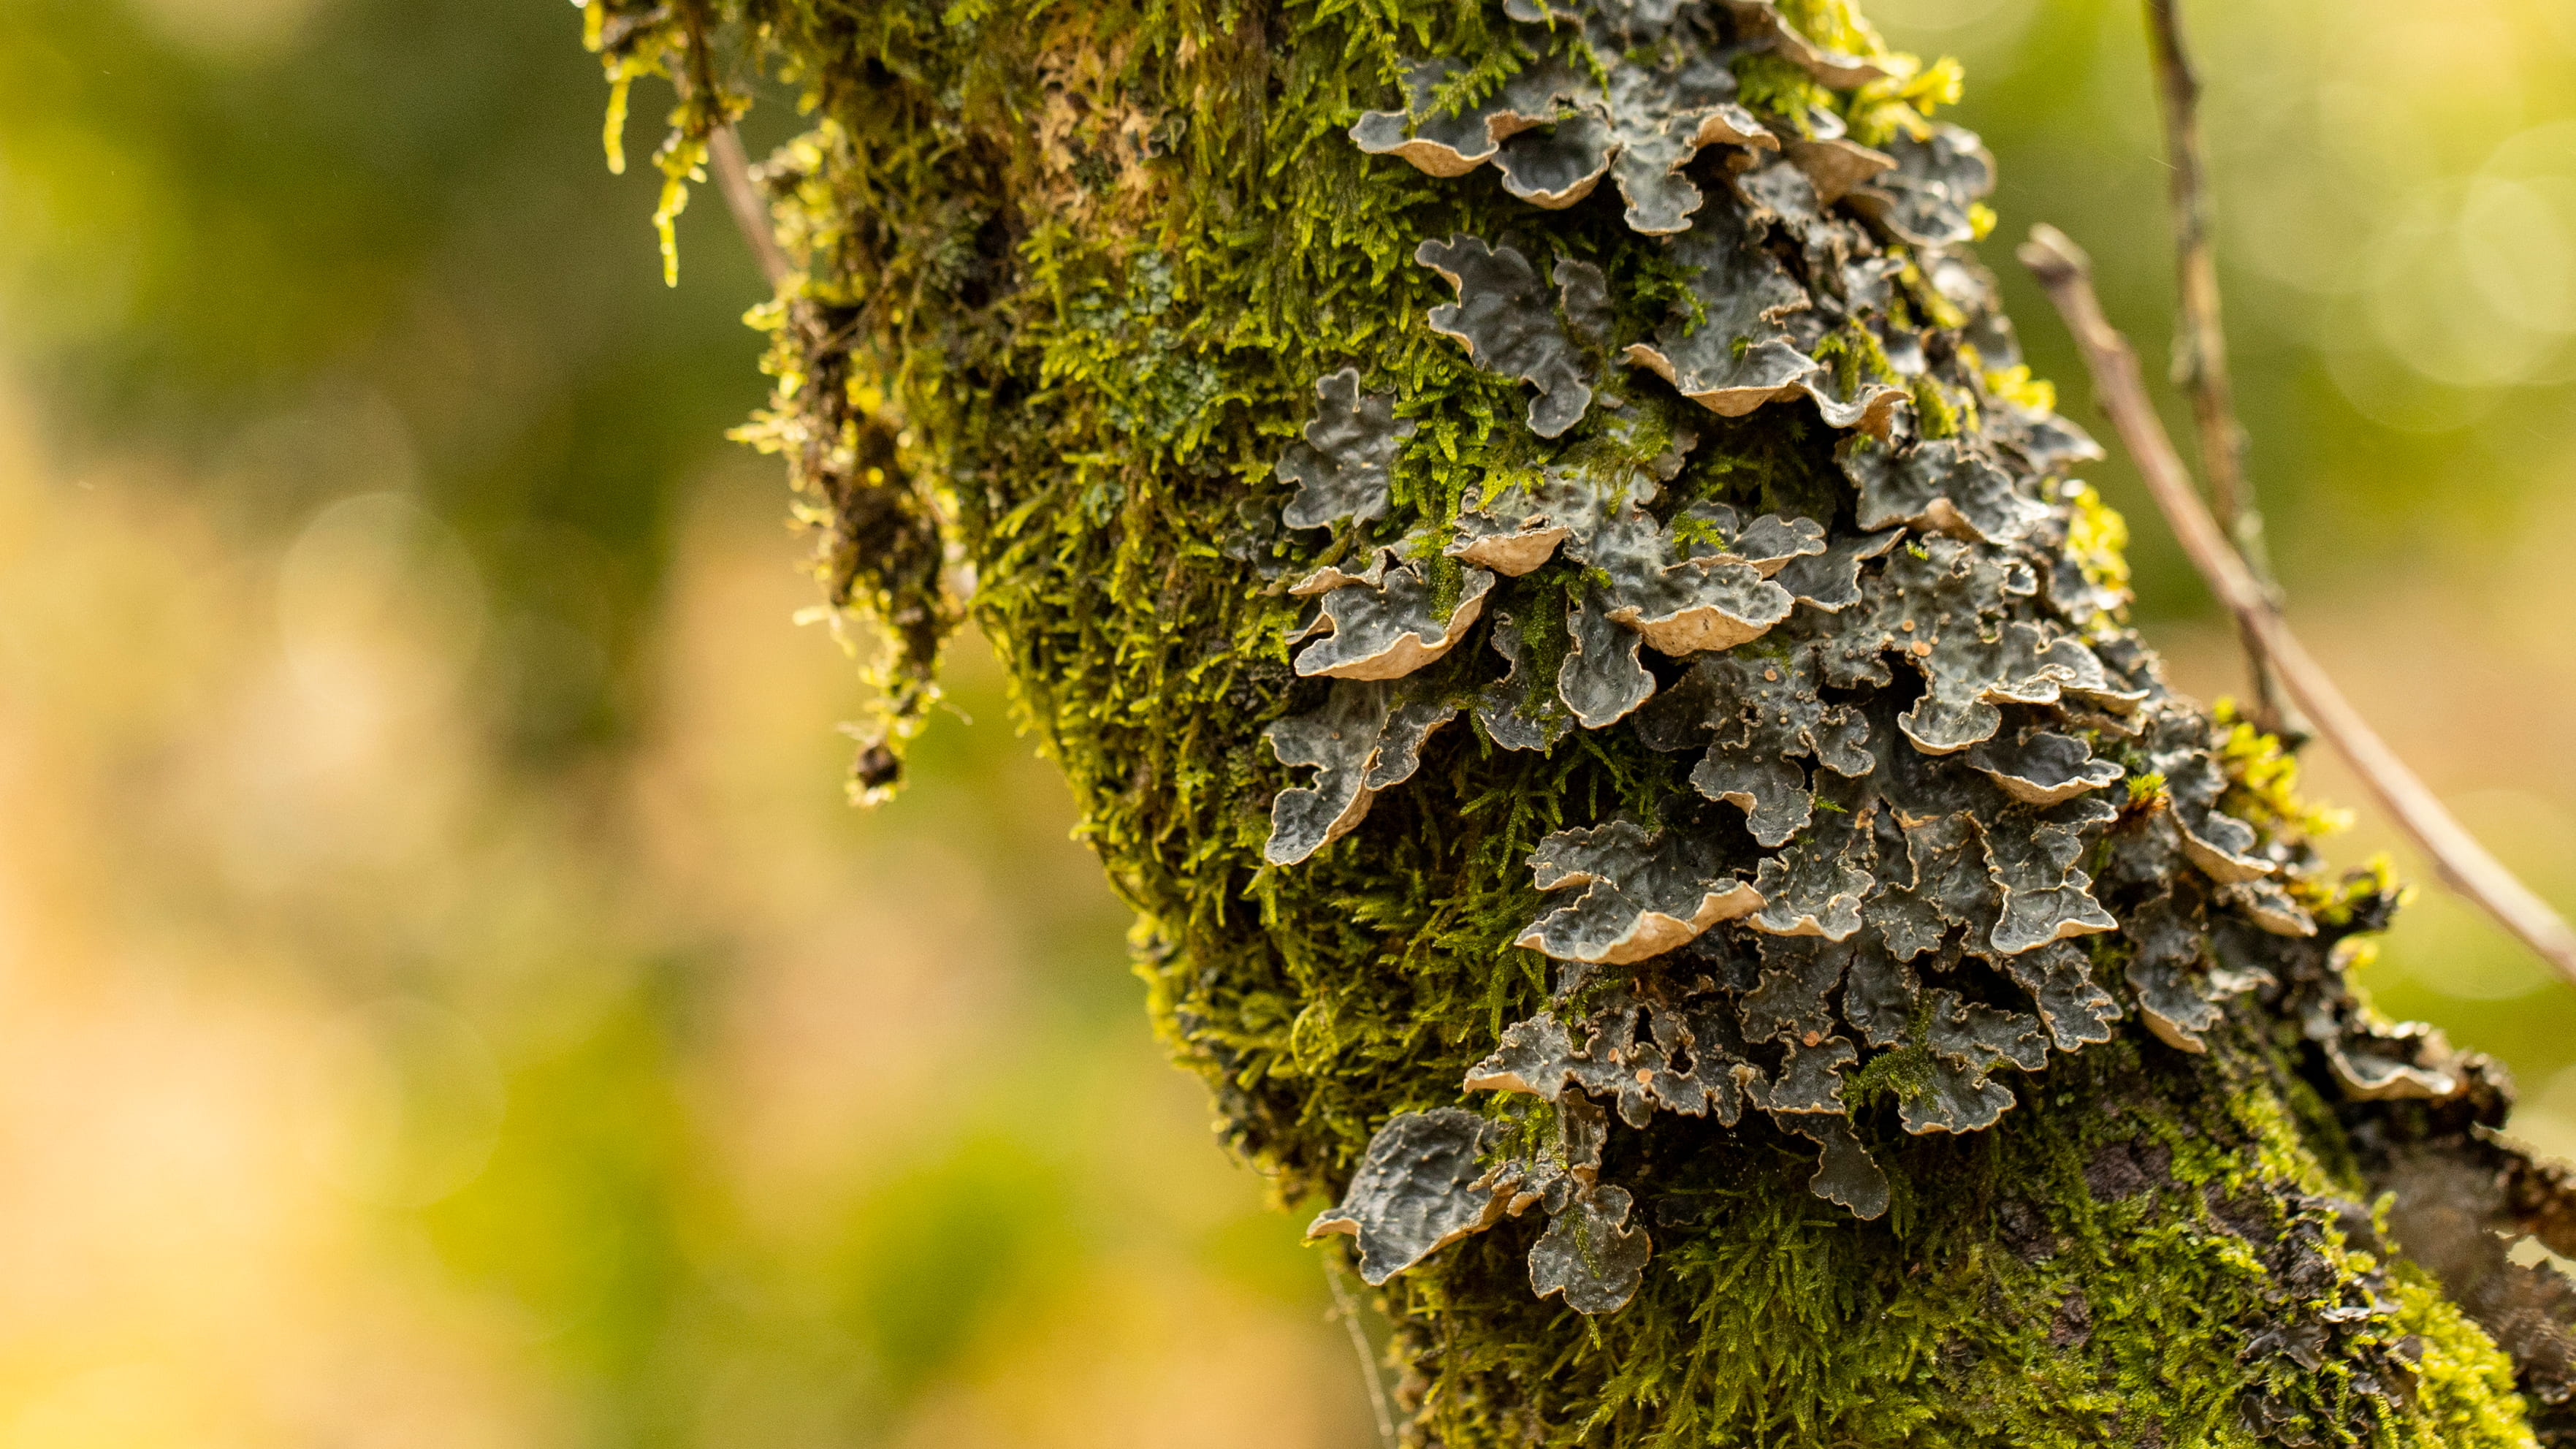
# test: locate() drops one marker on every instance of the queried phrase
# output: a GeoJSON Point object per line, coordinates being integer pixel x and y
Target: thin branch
{"type": "Point", "coordinates": [1346, 1308]}
{"type": "Point", "coordinates": [750, 209]}
{"type": "Point", "coordinates": [2200, 350]}
{"type": "Point", "coordinates": [2066, 273]}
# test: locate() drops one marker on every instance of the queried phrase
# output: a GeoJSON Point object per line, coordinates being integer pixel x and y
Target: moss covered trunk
{"type": "Point", "coordinates": [1527, 531]}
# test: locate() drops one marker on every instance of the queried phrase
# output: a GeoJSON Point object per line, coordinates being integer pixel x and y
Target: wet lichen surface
{"type": "Point", "coordinates": [1591, 657]}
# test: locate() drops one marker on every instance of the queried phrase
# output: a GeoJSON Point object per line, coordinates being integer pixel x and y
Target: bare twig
{"type": "Point", "coordinates": [2200, 350]}
{"type": "Point", "coordinates": [742, 198]}
{"type": "Point", "coordinates": [2066, 273]}
{"type": "Point", "coordinates": [1346, 1307]}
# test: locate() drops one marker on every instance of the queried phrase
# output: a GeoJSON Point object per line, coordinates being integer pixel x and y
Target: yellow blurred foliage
{"type": "Point", "coordinates": [287, 956]}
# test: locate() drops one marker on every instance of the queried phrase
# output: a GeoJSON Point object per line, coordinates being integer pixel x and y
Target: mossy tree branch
{"type": "Point", "coordinates": [1526, 530]}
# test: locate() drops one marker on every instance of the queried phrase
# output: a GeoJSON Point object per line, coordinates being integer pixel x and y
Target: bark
{"type": "Point", "coordinates": [1529, 536]}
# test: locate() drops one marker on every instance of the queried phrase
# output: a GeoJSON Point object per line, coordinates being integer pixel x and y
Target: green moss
{"type": "Point", "coordinates": [2016, 386]}
{"type": "Point", "coordinates": [2464, 1386]}
{"type": "Point", "coordinates": [1833, 23]}
{"type": "Point", "coordinates": [2337, 903]}
{"type": "Point", "coordinates": [2071, 1281]}
{"type": "Point", "coordinates": [1772, 85]}
{"type": "Point", "coordinates": [2097, 538]}
{"type": "Point", "coordinates": [1902, 104]}
{"type": "Point", "coordinates": [2263, 783]}
{"type": "Point", "coordinates": [1854, 354]}
{"type": "Point", "coordinates": [1934, 415]}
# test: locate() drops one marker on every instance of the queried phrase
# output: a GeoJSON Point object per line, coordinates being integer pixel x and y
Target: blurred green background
{"type": "Point", "coordinates": [444, 999]}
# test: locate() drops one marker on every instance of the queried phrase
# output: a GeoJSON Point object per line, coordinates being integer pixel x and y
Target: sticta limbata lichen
{"type": "Point", "coordinates": [1511, 534]}
{"type": "Point", "coordinates": [1969, 1042]}
{"type": "Point", "coordinates": [2059, 977]}
{"type": "Point", "coordinates": [1840, 69]}
{"type": "Point", "coordinates": [2374, 1062]}
{"type": "Point", "coordinates": [1508, 323]}
{"type": "Point", "coordinates": [1640, 893]}
{"type": "Point", "coordinates": [1770, 543]}
{"type": "Point", "coordinates": [1831, 580]}
{"type": "Point", "coordinates": [1459, 141]}
{"type": "Point", "coordinates": [2220, 844]}
{"type": "Point", "coordinates": [1367, 737]}
{"type": "Point", "coordinates": [1836, 165]}
{"type": "Point", "coordinates": [1927, 198]}
{"type": "Point", "coordinates": [1688, 1057]}
{"type": "Point", "coordinates": [1626, 103]}
{"type": "Point", "coordinates": [1591, 1254]}
{"type": "Point", "coordinates": [1514, 525]}
{"type": "Point", "coordinates": [1762, 718]}
{"type": "Point", "coordinates": [2267, 905]}
{"type": "Point", "coordinates": [1417, 1191]}
{"type": "Point", "coordinates": [1940, 485]}
{"type": "Point", "coordinates": [1899, 830]}
{"type": "Point", "coordinates": [1341, 468]}
{"type": "Point", "coordinates": [1749, 334]}
{"type": "Point", "coordinates": [1685, 605]}
{"type": "Point", "coordinates": [1392, 625]}
{"type": "Point", "coordinates": [2046, 896]}
{"type": "Point", "coordinates": [1602, 679]}
{"type": "Point", "coordinates": [2167, 972]}
{"type": "Point", "coordinates": [1729, 350]}
{"type": "Point", "coordinates": [1522, 710]}
{"type": "Point", "coordinates": [1431, 1178]}
{"type": "Point", "coordinates": [2042, 767]}
{"type": "Point", "coordinates": [1815, 885]}
{"type": "Point", "coordinates": [1846, 1175]}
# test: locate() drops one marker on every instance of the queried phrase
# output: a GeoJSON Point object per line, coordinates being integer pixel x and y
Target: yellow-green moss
{"type": "Point", "coordinates": [1903, 103]}
{"type": "Point", "coordinates": [2464, 1396]}
{"type": "Point", "coordinates": [1780, 1322]}
{"type": "Point", "coordinates": [1837, 24]}
{"type": "Point", "coordinates": [1856, 359]}
{"type": "Point", "coordinates": [2263, 783]}
{"type": "Point", "coordinates": [1770, 83]}
{"type": "Point", "coordinates": [1935, 417]}
{"type": "Point", "coordinates": [2097, 538]}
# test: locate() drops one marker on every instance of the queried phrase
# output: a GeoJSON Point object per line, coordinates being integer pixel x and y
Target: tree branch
{"type": "Point", "coordinates": [1346, 1307]}
{"type": "Point", "coordinates": [2066, 273]}
{"type": "Point", "coordinates": [2200, 349]}
{"type": "Point", "coordinates": [750, 209]}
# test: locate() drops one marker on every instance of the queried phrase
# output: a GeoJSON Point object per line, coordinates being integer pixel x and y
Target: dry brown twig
{"type": "Point", "coordinates": [750, 209]}
{"type": "Point", "coordinates": [2200, 346]}
{"type": "Point", "coordinates": [2066, 273]}
{"type": "Point", "coordinates": [1346, 1307]}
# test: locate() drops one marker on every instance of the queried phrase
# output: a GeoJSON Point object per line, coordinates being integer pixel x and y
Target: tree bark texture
{"type": "Point", "coordinates": [1527, 530]}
